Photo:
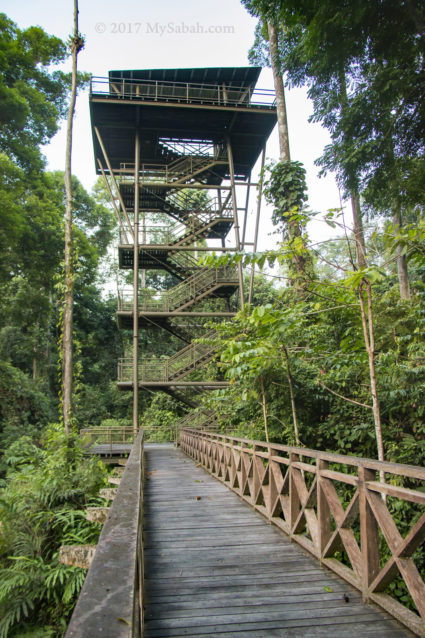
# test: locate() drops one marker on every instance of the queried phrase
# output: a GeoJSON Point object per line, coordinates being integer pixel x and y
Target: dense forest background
{"type": "Point", "coordinates": [330, 354]}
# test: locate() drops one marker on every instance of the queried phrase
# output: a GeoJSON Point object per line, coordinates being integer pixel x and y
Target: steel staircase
{"type": "Point", "coordinates": [219, 281]}
{"type": "Point", "coordinates": [187, 360]}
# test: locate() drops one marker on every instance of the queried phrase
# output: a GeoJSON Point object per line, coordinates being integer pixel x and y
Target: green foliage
{"type": "Point", "coordinates": [41, 508]}
{"type": "Point", "coordinates": [323, 337]}
{"type": "Point", "coordinates": [32, 97]}
{"type": "Point", "coordinates": [157, 420]}
{"type": "Point", "coordinates": [286, 189]}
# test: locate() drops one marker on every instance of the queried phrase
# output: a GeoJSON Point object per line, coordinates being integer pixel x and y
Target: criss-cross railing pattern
{"type": "Point", "coordinates": [334, 506]}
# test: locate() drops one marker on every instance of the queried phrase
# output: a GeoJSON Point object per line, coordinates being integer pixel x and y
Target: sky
{"type": "Point", "coordinates": [134, 34]}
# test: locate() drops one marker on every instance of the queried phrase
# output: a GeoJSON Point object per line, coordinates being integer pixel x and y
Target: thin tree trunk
{"type": "Point", "coordinates": [69, 274]}
{"type": "Point", "coordinates": [358, 230]}
{"type": "Point", "coordinates": [369, 339]}
{"type": "Point", "coordinates": [34, 364]}
{"type": "Point", "coordinates": [355, 200]}
{"type": "Point", "coordinates": [264, 406]}
{"type": "Point", "coordinates": [35, 351]}
{"type": "Point", "coordinates": [403, 278]}
{"type": "Point", "coordinates": [292, 396]}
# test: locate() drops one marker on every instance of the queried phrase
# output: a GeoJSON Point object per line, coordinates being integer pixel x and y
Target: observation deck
{"type": "Point", "coordinates": [196, 104]}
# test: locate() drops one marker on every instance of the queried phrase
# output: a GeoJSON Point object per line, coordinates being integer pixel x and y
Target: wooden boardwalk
{"type": "Point", "coordinates": [215, 567]}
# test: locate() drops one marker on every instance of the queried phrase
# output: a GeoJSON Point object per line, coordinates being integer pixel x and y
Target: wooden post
{"type": "Point", "coordinates": [294, 501]}
{"type": "Point", "coordinates": [368, 533]}
{"type": "Point", "coordinates": [136, 287]}
{"type": "Point", "coordinates": [323, 510]}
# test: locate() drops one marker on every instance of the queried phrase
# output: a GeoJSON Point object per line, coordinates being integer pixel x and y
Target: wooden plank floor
{"type": "Point", "coordinates": [215, 567]}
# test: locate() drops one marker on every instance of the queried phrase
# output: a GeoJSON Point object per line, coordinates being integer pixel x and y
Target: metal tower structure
{"type": "Point", "coordinates": [176, 148]}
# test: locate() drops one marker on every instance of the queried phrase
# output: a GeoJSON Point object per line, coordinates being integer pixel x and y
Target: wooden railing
{"type": "Point", "coordinates": [336, 508]}
{"type": "Point", "coordinates": [110, 602]}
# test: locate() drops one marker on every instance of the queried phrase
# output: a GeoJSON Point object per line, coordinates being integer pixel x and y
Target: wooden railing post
{"type": "Point", "coordinates": [294, 501]}
{"type": "Point", "coordinates": [323, 510]}
{"type": "Point", "coordinates": [368, 533]}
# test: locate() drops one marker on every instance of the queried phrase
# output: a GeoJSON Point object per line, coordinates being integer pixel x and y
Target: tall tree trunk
{"type": "Point", "coordinates": [76, 45]}
{"type": "Point", "coordinates": [282, 120]}
{"type": "Point", "coordinates": [355, 200]}
{"type": "Point", "coordinates": [294, 230]}
{"type": "Point", "coordinates": [403, 279]}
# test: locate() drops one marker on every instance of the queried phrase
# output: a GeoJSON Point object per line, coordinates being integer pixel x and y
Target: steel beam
{"type": "Point", "coordinates": [235, 219]}
{"type": "Point", "coordinates": [136, 286]}
{"type": "Point", "coordinates": [257, 226]}
{"type": "Point", "coordinates": [111, 172]}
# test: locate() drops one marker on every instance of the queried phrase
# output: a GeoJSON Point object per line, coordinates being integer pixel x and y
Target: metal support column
{"type": "Point", "coordinates": [245, 218]}
{"type": "Point", "coordinates": [136, 286]}
{"type": "Point", "coordinates": [235, 219]}
{"type": "Point", "coordinates": [257, 224]}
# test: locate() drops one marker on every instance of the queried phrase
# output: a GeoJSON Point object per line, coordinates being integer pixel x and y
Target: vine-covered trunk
{"type": "Point", "coordinates": [69, 274]}
{"type": "Point", "coordinates": [299, 262]}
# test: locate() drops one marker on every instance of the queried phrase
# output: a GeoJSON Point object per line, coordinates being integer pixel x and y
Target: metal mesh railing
{"type": "Point", "coordinates": [186, 92]}
{"type": "Point", "coordinates": [186, 293]}
{"type": "Point", "coordinates": [196, 225]}
{"type": "Point", "coordinates": [172, 368]}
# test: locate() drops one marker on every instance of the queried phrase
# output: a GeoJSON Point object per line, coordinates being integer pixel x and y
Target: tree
{"type": "Point", "coordinates": [32, 97]}
{"type": "Point", "coordinates": [363, 64]}
{"type": "Point", "coordinates": [268, 31]}
{"type": "Point", "coordinates": [77, 44]}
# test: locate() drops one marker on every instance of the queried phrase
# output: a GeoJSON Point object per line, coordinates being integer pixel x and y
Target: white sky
{"type": "Point", "coordinates": [141, 45]}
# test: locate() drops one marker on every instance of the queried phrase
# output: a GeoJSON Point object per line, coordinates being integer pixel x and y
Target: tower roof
{"type": "Point", "coordinates": [214, 104]}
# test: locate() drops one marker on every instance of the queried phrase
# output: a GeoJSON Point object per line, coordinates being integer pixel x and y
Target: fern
{"type": "Point", "coordinates": [41, 508]}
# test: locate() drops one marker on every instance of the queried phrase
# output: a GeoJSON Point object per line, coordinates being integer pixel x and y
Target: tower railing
{"type": "Point", "coordinates": [196, 224]}
{"type": "Point", "coordinates": [186, 360]}
{"type": "Point", "coordinates": [186, 92]}
{"type": "Point", "coordinates": [186, 293]}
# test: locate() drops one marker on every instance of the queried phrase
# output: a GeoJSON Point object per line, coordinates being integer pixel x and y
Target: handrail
{"type": "Point", "coordinates": [169, 369]}
{"type": "Point", "coordinates": [111, 597]}
{"type": "Point", "coordinates": [196, 224]}
{"type": "Point", "coordinates": [188, 92]}
{"type": "Point", "coordinates": [194, 288]}
{"type": "Point", "coordinates": [327, 502]}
